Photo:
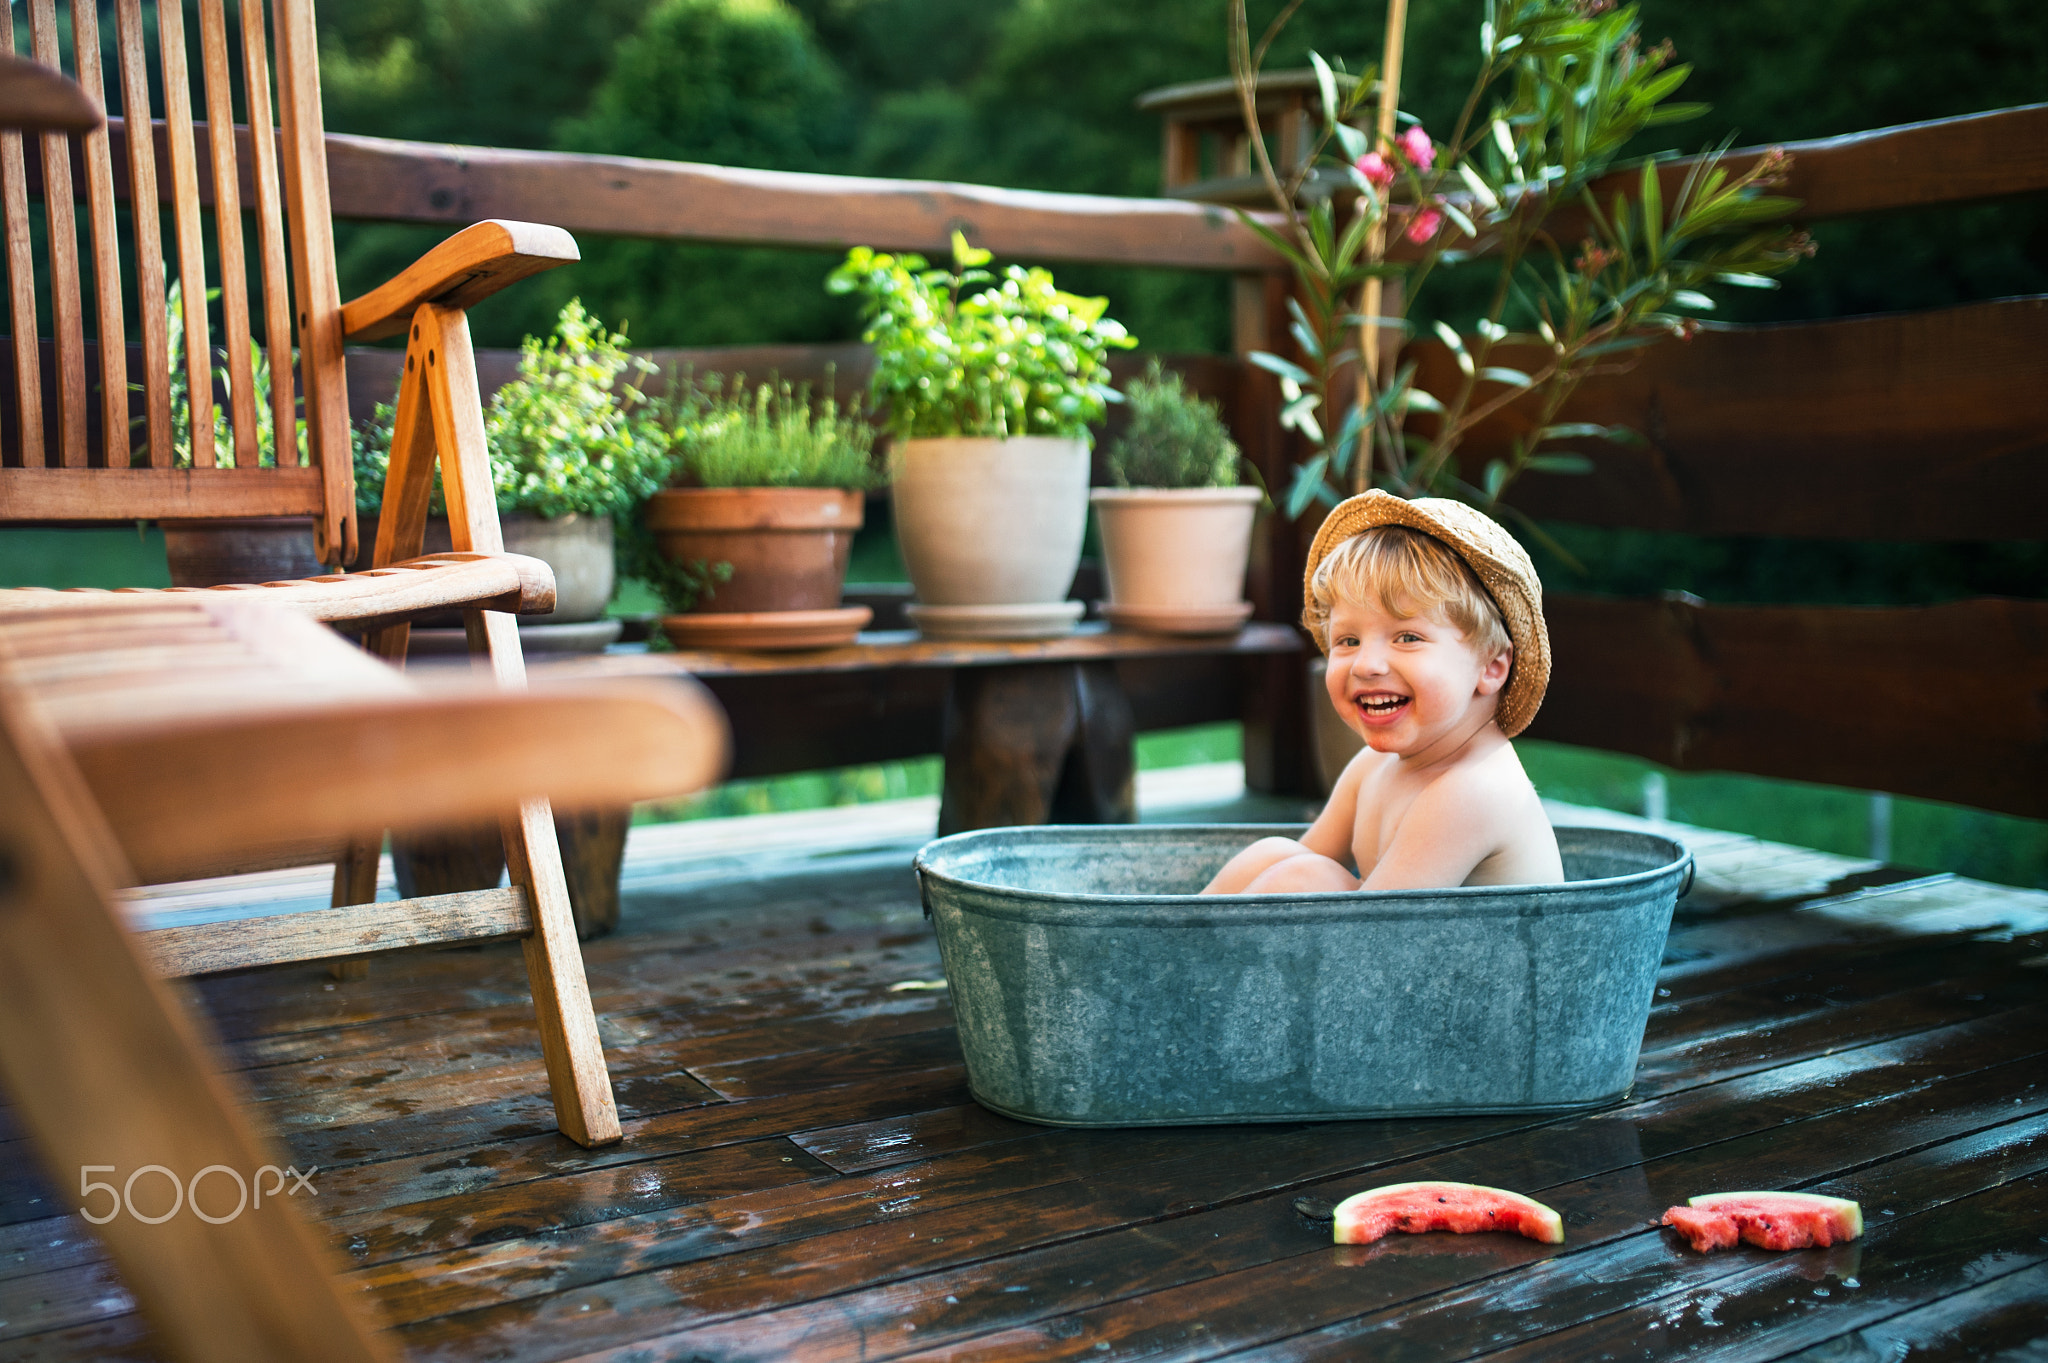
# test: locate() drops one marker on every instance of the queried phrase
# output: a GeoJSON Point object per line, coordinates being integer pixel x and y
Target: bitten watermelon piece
{"type": "Point", "coordinates": [1460, 1207]}
{"type": "Point", "coordinates": [1767, 1220]}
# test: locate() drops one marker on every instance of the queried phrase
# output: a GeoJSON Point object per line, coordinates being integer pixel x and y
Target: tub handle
{"type": "Point", "coordinates": [924, 895]}
{"type": "Point", "coordinates": [1691, 866]}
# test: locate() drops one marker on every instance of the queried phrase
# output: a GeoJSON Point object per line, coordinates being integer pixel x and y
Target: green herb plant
{"type": "Point", "coordinates": [573, 434]}
{"type": "Point", "coordinates": [728, 433]}
{"type": "Point", "coordinates": [1175, 439]}
{"type": "Point", "coordinates": [1584, 279]}
{"type": "Point", "coordinates": [1018, 357]}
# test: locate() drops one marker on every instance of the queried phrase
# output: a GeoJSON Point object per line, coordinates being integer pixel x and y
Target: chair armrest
{"type": "Point", "coordinates": [459, 273]}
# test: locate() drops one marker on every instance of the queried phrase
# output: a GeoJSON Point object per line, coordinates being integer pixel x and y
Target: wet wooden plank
{"type": "Point", "coordinates": [2002, 1317]}
{"type": "Point", "coordinates": [1131, 1179]}
{"type": "Point", "coordinates": [1045, 1260]}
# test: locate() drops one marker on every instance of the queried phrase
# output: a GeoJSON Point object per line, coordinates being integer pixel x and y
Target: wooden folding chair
{"type": "Point", "coordinates": [67, 456]}
{"type": "Point", "coordinates": [139, 733]}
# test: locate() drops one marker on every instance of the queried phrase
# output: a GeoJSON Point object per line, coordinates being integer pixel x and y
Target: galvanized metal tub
{"type": "Point", "coordinates": [1094, 987]}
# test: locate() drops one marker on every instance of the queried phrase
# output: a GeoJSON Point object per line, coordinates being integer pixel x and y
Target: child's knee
{"type": "Point", "coordinates": [1303, 873]}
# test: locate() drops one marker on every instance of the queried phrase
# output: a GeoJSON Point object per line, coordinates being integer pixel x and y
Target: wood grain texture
{"type": "Point", "coordinates": [317, 287]}
{"type": "Point", "coordinates": [459, 273]}
{"type": "Point", "coordinates": [67, 306]}
{"type": "Point", "coordinates": [21, 287]}
{"type": "Point", "coordinates": [354, 929]}
{"type": "Point", "coordinates": [182, 153]}
{"type": "Point", "coordinates": [1835, 695]}
{"type": "Point", "coordinates": [141, 157]}
{"type": "Point", "coordinates": [227, 229]}
{"type": "Point", "coordinates": [107, 1069]}
{"type": "Point", "coordinates": [1922, 426]}
{"type": "Point", "coordinates": [107, 495]}
{"type": "Point", "coordinates": [109, 331]}
{"type": "Point", "coordinates": [906, 649]}
{"type": "Point", "coordinates": [262, 172]}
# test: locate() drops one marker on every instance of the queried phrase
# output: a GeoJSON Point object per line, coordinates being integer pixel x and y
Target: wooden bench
{"type": "Point", "coordinates": [1032, 732]}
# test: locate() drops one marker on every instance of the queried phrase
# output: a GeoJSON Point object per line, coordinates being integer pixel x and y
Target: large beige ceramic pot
{"type": "Point", "coordinates": [991, 533]}
{"type": "Point", "coordinates": [1176, 557]}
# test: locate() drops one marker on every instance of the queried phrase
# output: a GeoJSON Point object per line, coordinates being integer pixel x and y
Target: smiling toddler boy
{"type": "Point", "coordinates": [1432, 617]}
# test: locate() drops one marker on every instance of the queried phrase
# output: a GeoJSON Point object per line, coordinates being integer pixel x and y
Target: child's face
{"type": "Point", "coordinates": [1412, 685]}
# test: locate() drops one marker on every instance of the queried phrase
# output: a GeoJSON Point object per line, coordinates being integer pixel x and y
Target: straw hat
{"type": "Point", "coordinates": [1502, 566]}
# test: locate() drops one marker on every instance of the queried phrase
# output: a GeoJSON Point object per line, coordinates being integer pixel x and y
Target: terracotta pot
{"type": "Point", "coordinates": [257, 549]}
{"type": "Point", "coordinates": [993, 525]}
{"type": "Point", "coordinates": [788, 546]}
{"type": "Point", "coordinates": [1172, 547]}
{"type": "Point", "coordinates": [578, 548]}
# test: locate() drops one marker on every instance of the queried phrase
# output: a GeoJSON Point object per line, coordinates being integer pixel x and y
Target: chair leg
{"type": "Point", "coordinates": [581, 1085]}
{"type": "Point", "coordinates": [118, 1090]}
{"type": "Point", "coordinates": [355, 882]}
{"type": "Point", "coordinates": [441, 357]}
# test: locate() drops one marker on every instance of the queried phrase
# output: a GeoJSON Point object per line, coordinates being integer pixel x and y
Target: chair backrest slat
{"type": "Point", "coordinates": [185, 220]}
{"type": "Point", "coordinates": [319, 287]}
{"type": "Point", "coordinates": [149, 247]}
{"type": "Point", "coordinates": [106, 243]}
{"type": "Point", "coordinates": [60, 216]}
{"type": "Point", "coordinates": [227, 228]}
{"type": "Point", "coordinates": [193, 170]}
{"type": "Point", "coordinates": [277, 302]}
{"type": "Point", "coordinates": [21, 283]}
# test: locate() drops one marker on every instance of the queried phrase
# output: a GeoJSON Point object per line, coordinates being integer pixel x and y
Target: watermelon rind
{"type": "Point", "coordinates": [1851, 1211]}
{"type": "Point", "coordinates": [1550, 1222]}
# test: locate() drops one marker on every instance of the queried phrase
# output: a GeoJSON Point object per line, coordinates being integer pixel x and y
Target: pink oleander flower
{"type": "Point", "coordinates": [1424, 225]}
{"type": "Point", "coordinates": [1376, 169]}
{"type": "Point", "coordinates": [1416, 146]}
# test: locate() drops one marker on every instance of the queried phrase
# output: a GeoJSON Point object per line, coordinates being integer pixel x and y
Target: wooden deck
{"type": "Point", "coordinates": [805, 1177]}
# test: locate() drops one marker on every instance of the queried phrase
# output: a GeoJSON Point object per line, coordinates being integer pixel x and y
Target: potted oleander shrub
{"type": "Point", "coordinates": [987, 384]}
{"type": "Point", "coordinates": [751, 545]}
{"type": "Point", "coordinates": [576, 446]}
{"type": "Point", "coordinates": [1177, 528]}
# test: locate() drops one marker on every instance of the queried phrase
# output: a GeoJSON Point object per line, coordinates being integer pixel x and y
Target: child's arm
{"type": "Point", "coordinates": [1330, 835]}
{"type": "Point", "coordinates": [1458, 821]}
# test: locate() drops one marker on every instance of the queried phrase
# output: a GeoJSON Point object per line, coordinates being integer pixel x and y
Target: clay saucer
{"type": "Point", "coordinates": [1038, 620]}
{"type": "Point", "coordinates": [767, 629]}
{"type": "Point", "coordinates": [1225, 619]}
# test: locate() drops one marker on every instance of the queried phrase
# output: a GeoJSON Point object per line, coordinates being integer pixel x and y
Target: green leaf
{"type": "Point", "coordinates": [965, 256]}
{"type": "Point", "coordinates": [1307, 484]}
{"type": "Point", "coordinates": [1653, 215]}
{"type": "Point", "coordinates": [1416, 400]}
{"type": "Point", "coordinates": [1450, 338]}
{"type": "Point", "coordinates": [1625, 343]}
{"type": "Point", "coordinates": [1326, 86]}
{"type": "Point", "coordinates": [1479, 187]}
{"type": "Point", "coordinates": [1514, 378]}
{"type": "Point", "coordinates": [1560, 463]}
{"type": "Point", "coordinates": [1350, 139]}
{"type": "Point", "coordinates": [1573, 430]}
{"type": "Point", "coordinates": [1748, 281]}
{"type": "Point", "coordinates": [1286, 369]}
{"type": "Point", "coordinates": [1692, 298]}
{"type": "Point", "coordinates": [1675, 113]}
{"type": "Point", "coordinates": [1496, 478]}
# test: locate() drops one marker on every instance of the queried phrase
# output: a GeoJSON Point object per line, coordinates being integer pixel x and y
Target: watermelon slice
{"type": "Point", "coordinates": [1766, 1220]}
{"type": "Point", "coordinates": [1460, 1207]}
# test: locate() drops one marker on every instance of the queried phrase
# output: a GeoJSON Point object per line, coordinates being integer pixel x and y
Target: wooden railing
{"type": "Point", "coordinates": [1908, 427]}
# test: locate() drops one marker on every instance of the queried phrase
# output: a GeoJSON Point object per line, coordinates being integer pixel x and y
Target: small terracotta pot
{"type": "Point", "coordinates": [1169, 547]}
{"type": "Point", "coordinates": [788, 546]}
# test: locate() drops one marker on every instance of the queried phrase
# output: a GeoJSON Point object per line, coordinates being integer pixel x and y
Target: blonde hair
{"type": "Point", "coordinates": [1408, 573]}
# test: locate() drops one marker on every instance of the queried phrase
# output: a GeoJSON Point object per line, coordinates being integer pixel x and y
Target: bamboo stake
{"type": "Point", "coordinates": [1376, 245]}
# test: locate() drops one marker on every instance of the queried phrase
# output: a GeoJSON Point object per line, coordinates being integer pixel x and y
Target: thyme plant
{"type": "Point", "coordinates": [1174, 439]}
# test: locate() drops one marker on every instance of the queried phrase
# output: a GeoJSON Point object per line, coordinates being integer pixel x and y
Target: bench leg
{"type": "Point", "coordinates": [1039, 743]}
